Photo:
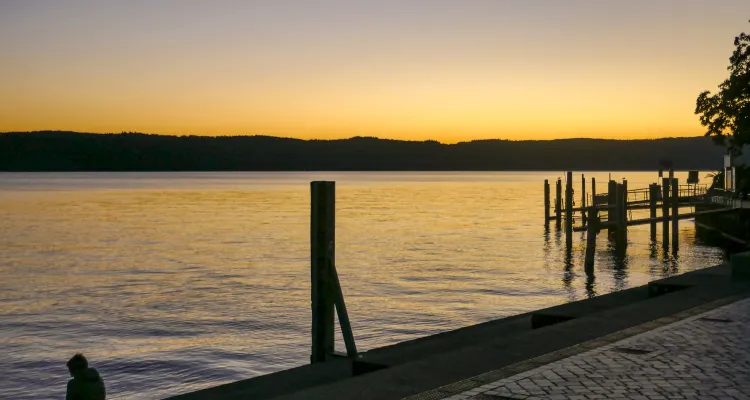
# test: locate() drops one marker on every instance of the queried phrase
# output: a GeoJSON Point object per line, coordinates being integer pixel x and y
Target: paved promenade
{"type": "Point", "coordinates": [705, 356]}
{"type": "Point", "coordinates": [678, 338]}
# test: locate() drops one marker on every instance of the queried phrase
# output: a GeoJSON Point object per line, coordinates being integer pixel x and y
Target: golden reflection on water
{"type": "Point", "coordinates": [205, 279]}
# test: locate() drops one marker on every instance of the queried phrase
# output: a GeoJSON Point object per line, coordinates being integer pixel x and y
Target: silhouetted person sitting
{"type": "Point", "coordinates": [86, 383]}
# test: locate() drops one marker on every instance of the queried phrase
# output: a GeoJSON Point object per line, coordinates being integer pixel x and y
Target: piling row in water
{"type": "Point", "coordinates": [620, 200]}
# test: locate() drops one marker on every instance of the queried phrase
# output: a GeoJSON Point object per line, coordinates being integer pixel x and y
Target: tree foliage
{"type": "Point", "coordinates": [71, 151]}
{"type": "Point", "coordinates": [717, 180]}
{"type": "Point", "coordinates": [726, 114]}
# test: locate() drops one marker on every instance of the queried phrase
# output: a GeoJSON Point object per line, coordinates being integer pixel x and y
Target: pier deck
{"type": "Point", "coordinates": [644, 221]}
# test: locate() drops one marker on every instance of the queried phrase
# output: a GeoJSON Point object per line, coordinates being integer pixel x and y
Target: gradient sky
{"type": "Point", "coordinates": [408, 69]}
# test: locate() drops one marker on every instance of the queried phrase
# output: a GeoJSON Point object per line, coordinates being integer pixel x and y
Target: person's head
{"type": "Point", "coordinates": [77, 364]}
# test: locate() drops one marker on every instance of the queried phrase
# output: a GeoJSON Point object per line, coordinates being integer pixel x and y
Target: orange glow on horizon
{"type": "Point", "coordinates": [470, 72]}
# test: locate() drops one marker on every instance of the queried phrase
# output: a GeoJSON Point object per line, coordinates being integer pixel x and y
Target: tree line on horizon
{"type": "Point", "coordinates": [129, 151]}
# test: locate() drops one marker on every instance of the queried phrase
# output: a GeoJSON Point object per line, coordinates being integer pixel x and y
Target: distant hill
{"type": "Point", "coordinates": [72, 151]}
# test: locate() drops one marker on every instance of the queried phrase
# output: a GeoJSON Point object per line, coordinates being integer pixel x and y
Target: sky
{"type": "Point", "coordinates": [404, 69]}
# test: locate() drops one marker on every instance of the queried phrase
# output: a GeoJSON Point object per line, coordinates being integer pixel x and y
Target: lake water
{"type": "Point", "coordinates": [172, 282]}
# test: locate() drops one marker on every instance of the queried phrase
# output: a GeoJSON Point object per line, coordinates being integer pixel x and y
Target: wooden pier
{"type": "Point", "coordinates": [613, 210]}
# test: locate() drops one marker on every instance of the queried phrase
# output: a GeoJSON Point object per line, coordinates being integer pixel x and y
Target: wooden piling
{"type": "Point", "coordinates": [653, 196]}
{"type": "Point", "coordinates": [327, 294]}
{"type": "Point", "coordinates": [583, 199]}
{"type": "Point", "coordinates": [593, 191]}
{"type": "Point", "coordinates": [546, 202]}
{"type": "Point", "coordinates": [569, 210]}
{"type": "Point", "coordinates": [624, 211]}
{"type": "Point", "coordinates": [611, 203]}
{"type": "Point", "coordinates": [591, 232]}
{"type": "Point", "coordinates": [558, 203]}
{"type": "Point", "coordinates": [665, 212]}
{"type": "Point", "coordinates": [322, 238]}
{"type": "Point", "coordinates": [675, 215]}
{"type": "Point", "coordinates": [620, 213]}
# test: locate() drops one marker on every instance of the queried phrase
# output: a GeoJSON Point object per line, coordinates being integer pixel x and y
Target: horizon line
{"type": "Point", "coordinates": [176, 135]}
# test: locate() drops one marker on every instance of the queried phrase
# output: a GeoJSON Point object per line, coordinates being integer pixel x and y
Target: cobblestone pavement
{"type": "Point", "coordinates": [706, 356]}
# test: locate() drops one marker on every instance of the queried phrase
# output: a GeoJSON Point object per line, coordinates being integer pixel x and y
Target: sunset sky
{"type": "Point", "coordinates": [407, 69]}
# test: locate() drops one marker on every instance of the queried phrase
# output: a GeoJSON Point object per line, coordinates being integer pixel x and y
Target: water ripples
{"type": "Point", "coordinates": [172, 282]}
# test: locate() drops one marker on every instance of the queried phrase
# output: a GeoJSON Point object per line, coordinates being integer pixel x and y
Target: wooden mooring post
{"type": "Point", "coordinates": [546, 202]}
{"type": "Point", "coordinates": [611, 203]}
{"type": "Point", "coordinates": [325, 286]}
{"type": "Point", "coordinates": [569, 210]}
{"type": "Point", "coordinates": [653, 198]}
{"type": "Point", "coordinates": [675, 215]}
{"type": "Point", "coordinates": [624, 211]}
{"type": "Point", "coordinates": [583, 199]}
{"type": "Point", "coordinates": [558, 203]}
{"type": "Point", "coordinates": [620, 214]}
{"type": "Point", "coordinates": [665, 212]}
{"type": "Point", "coordinates": [591, 233]}
{"type": "Point", "coordinates": [593, 192]}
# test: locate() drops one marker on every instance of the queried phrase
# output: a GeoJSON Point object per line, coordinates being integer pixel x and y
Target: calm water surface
{"type": "Point", "coordinates": [172, 282]}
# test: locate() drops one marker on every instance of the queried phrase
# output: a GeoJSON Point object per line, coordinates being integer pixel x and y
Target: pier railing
{"type": "Point", "coordinates": [642, 195]}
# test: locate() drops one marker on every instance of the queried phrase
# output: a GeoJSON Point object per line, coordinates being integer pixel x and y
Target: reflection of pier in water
{"type": "Point", "coordinates": [612, 212]}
